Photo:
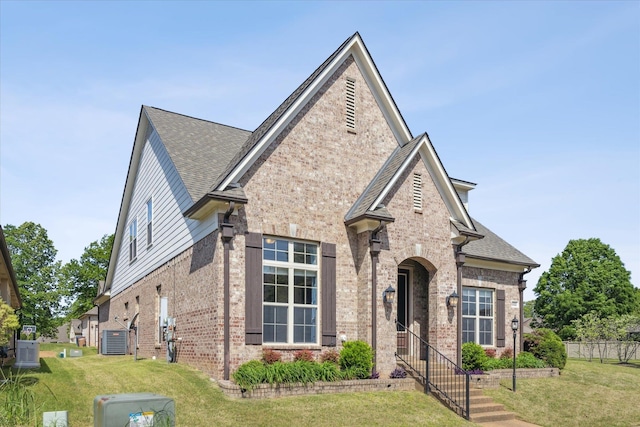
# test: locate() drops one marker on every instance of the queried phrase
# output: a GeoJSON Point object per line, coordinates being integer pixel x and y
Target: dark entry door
{"type": "Point", "coordinates": [402, 300]}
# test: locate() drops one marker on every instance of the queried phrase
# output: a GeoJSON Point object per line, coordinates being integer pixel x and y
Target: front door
{"type": "Point", "coordinates": [403, 308]}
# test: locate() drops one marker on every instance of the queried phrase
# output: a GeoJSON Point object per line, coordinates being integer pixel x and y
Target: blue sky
{"type": "Point", "coordinates": [536, 102]}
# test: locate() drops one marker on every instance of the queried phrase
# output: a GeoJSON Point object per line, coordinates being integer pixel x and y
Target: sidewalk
{"type": "Point", "coordinates": [509, 423]}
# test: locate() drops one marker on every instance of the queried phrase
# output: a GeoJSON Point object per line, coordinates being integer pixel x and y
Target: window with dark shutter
{"type": "Point", "coordinates": [253, 288]}
{"type": "Point", "coordinates": [500, 333]}
{"type": "Point", "coordinates": [328, 305]}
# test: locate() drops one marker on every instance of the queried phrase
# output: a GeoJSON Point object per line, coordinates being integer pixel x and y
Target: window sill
{"type": "Point", "coordinates": [279, 346]}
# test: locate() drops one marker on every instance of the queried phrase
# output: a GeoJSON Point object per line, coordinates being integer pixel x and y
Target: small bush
{"type": "Point", "coordinates": [357, 356]}
{"type": "Point", "coordinates": [270, 356]}
{"type": "Point", "coordinates": [473, 356]}
{"type": "Point", "coordinates": [501, 363]}
{"type": "Point", "coordinates": [330, 356]}
{"type": "Point", "coordinates": [327, 371]}
{"type": "Point", "coordinates": [303, 355]}
{"type": "Point", "coordinates": [374, 375]}
{"type": "Point", "coordinates": [398, 373]}
{"type": "Point", "coordinates": [507, 353]}
{"type": "Point", "coordinates": [546, 345]}
{"type": "Point", "coordinates": [250, 374]}
{"type": "Point", "coordinates": [490, 352]}
{"type": "Point", "coordinates": [528, 360]}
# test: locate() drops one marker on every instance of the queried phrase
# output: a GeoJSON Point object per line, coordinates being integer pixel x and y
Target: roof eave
{"type": "Point", "coordinates": [530, 265]}
{"type": "Point", "coordinates": [207, 204]}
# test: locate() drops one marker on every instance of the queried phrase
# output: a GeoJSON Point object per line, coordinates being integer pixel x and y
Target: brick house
{"type": "Point", "coordinates": [286, 237]}
{"type": "Point", "coordinates": [9, 291]}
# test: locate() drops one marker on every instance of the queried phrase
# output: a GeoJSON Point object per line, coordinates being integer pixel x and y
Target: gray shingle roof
{"type": "Point", "coordinates": [273, 118]}
{"type": "Point", "coordinates": [382, 178]}
{"type": "Point", "coordinates": [493, 247]}
{"type": "Point", "coordinates": [199, 149]}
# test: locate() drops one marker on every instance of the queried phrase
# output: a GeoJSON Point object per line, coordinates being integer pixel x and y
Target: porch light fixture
{"type": "Point", "coordinates": [452, 300]}
{"type": "Point", "coordinates": [389, 295]}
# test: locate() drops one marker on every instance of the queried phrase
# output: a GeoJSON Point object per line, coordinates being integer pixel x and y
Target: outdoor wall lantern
{"type": "Point", "coordinates": [514, 327]}
{"type": "Point", "coordinates": [389, 295]}
{"type": "Point", "coordinates": [452, 300]}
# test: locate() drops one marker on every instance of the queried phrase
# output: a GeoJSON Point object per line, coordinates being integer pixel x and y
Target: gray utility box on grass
{"type": "Point", "coordinates": [114, 342]}
{"type": "Point", "coordinates": [133, 410]}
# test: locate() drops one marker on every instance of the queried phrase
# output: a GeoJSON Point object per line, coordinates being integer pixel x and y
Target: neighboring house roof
{"type": "Point", "coordinates": [6, 268]}
{"type": "Point", "coordinates": [92, 312]}
{"type": "Point", "coordinates": [493, 248]}
{"type": "Point", "coordinates": [200, 150]}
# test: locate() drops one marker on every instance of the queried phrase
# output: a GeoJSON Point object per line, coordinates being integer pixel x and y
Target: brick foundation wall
{"type": "Point", "coordinates": [265, 391]}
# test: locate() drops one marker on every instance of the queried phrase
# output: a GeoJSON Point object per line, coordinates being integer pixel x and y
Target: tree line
{"type": "Point", "coordinates": [53, 292]}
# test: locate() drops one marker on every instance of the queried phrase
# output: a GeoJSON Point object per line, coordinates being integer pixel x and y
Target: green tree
{"type": "Point", "coordinates": [528, 309]}
{"type": "Point", "coordinates": [587, 277]}
{"type": "Point", "coordinates": [34, 262]}
{"type": "Point", "coordinates": [80, 277]}
{"type": "Point", "coordinates": [8, 322]}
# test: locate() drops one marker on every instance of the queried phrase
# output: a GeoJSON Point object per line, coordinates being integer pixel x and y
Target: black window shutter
{"type": "Point", "coordinates": [500, 318]}
{"type": "Point", "coordinates": [328, 294]}
{"type": "Point", "coordinates": [253, 288]}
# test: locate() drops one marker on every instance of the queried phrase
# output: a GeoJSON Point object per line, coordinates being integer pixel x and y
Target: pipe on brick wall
{"type": "Point", "coordinates": [460, 259]}
{"type": "Point", "coordinates": [374, 249]}
{"type": "Point", "coordinates": [227, 235]}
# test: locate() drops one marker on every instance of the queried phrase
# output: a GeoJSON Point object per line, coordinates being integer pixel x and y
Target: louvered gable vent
{"type": "Point", "coordinates": [351, 104]}
{"type": "Point", "coordinates": [417, 191]}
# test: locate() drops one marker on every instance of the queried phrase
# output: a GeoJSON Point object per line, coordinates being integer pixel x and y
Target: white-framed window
{"type": "Point", "coordinates": [478, 316]}
{"type": "Point", "coordinates": [133, 240]}
{"type": "Point", "coordinates": [290, 291]}
{"type": "Point", "coordinates": [149, 222]}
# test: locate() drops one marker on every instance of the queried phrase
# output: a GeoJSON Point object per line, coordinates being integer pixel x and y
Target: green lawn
{"type": "Point", "coordinates": [72, 383]}
{"type": "Point", "coordinates": [586, 394]}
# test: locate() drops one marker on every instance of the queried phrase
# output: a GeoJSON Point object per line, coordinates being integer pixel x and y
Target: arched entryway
{"type": "Point", "coordinates": [412, 297]}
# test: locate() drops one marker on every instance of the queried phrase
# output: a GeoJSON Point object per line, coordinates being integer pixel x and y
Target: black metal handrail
{"type": "Point", "coordinates": [439, 374]}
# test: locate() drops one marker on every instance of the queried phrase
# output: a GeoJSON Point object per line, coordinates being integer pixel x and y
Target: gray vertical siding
{"type": "Point", "coordinates": [158, 179]}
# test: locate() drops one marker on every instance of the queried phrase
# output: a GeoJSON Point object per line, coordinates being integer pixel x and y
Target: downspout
{"type": "Point", "coordinates": [460, 259]}
{"type": "Point", "coordinates": [522, 285]}
{"type": "Point", "coordinates": [227, 236]}
{"type": "Point", "coordinates": [374, 248]}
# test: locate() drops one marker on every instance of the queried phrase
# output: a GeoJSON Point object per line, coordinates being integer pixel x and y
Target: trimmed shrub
{"type": "Point", "coordinates": [473, 357]}
{"type": "Point", "coordinates": [501, 363]}
{"type": "Point", "coordinates": [327, 371]}
{"type": "Point", "coordinates": [507, 353]}
{"type": "Point", "coordinates": [304, 355]}
{"type": "Point", "coordinates": [528, 360]}
{"type": "Point", "coordinates": [357, 357]}
{"type": "Point", "coordinates": [330, 356]}
{"type": "Point", "coordinates": [270, 356]}
{"type": "Point", "coordinates": [250, 374]}
{"type": "Point", "coordinates": [547, 346]}
{"type": "Point", "coordinates": [490, 352]}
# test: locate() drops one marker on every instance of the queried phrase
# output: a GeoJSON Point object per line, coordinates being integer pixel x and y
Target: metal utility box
{"type": "Point", "coordinates": [114, 342]}
{"type": "Point", "coordinates": [27, 354]}
{"type": "Point", "coordinates": [133, 410]}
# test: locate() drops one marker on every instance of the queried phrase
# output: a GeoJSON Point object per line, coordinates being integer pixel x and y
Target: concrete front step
{"type": "Point", "coordinates": [485, 407]}
{"type": "Point", "coordinates": [485, 417]}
